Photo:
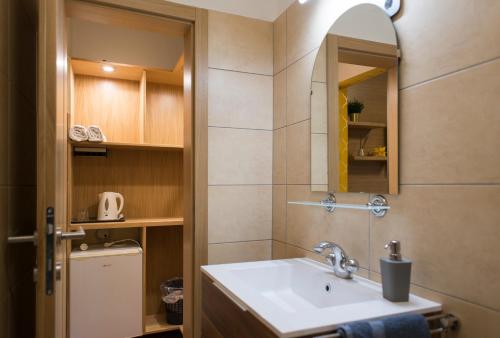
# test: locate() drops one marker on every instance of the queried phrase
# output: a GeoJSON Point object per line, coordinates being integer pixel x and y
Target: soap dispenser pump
{"type": "Point", "coordinates": [396, 274]}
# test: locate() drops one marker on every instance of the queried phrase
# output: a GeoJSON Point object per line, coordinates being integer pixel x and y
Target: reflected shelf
{"type": "Point", "coordinates": [366, 125]}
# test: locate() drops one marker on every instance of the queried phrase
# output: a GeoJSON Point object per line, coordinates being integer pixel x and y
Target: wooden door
{"type": "Point", "coordinates": [51, 169]}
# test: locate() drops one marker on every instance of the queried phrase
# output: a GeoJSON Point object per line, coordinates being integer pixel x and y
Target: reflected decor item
{"type": "Point", "coordinates": [354, 109]}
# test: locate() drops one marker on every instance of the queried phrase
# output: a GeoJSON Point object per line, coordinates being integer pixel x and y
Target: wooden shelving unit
{"type": "Point", "coordinates": [366, 125]}
{"type": "Point", "coordinates": [369, 158]}
{"type": "Point", "coordinates": [130, 146]}
{"type": "Point", "coordinates": [157, 323]}
{"type": "Point", "coordinates": [141, 113]}
{"type": "Point", "coordinates": [130, 223]}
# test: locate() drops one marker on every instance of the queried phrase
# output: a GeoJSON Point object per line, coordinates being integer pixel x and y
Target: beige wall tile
{"type": "Point", "coordinates": [280, 43]}
{"type": "Point", "coordinates": [239, 156]}
{"type": "Point", "coordinates": [433, 39]}
{"type": "Point", "coordinates": [4, 128]}
{"type": "Point", "coordinates": [298, 153]}
{"type": "Point", "coordinates": [475, 320]}
{"type": "Point", "coordinates": [279, 156]}
{"type": "Point", "coordinates": [239, 43]}
{"type": "Point", "coordinates": [279, 250]}
{"type": "Point", "coordinates": [240, 100]}
{"type": "Point", "coordinates": [239, 252]}
{"type": "Point", "coordinates": [449, 233]}
{"type": "Point", "coordinates": [293, 251]}
{"type": "Point", "coordinates": [279, 92]}
{"type": "Point", "coordinates": [298, 89]}
{"type": "Point", "coordinates": [279, 212]}
{"type": "Point", "coordinates": [308, 24]}
{"type": "Point", "coordinates": [239, 213]}
{"type": "Point", "coordinates": [449, 128]}
{"type": "Point", "coordinates": [307, 226]}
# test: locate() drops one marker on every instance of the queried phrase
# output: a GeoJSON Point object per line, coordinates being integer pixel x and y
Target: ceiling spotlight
{"type": "Point", "coordinates": [108, 68]}
{"type": "Point", "coordinates": [302, 1]}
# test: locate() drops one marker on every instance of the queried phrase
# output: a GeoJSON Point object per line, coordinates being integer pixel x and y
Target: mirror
{"type": "Point", "coordinates": [354, 105]}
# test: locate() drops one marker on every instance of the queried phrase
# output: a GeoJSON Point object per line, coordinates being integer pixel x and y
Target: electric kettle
{"type": "Point", "coordinates": [108, 207]}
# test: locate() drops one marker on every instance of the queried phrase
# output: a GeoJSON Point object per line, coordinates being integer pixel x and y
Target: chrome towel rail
{"type": "Point", "coordinates": [378, 205]}
{"type": "Point", "coordinates": [447, 323]}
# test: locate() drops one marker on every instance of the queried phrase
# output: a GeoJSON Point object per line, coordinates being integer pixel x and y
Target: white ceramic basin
{"type": "Point", "coordinates": [299, 296]}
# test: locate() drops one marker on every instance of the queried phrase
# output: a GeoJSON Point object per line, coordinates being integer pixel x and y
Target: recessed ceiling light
{"type": "Point", "coordinates": [302, 1]}
{"type": "Point", "coordinates": [108, 68]}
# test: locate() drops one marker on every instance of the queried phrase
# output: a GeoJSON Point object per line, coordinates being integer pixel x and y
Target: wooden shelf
{"type": "Point", "coordinates": [366, 125]}
{"type": "Point", "coordinates": [132, 146]}
{"type": "Point", "coordinates": [369, 158]}
{"type": "Point", "coordinates": [157, 323]}
{"type": "Point", "coordinates": [130, 223]}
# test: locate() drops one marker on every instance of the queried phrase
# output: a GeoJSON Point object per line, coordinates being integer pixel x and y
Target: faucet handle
{"type": "Point", "coordinates": [351, 265]}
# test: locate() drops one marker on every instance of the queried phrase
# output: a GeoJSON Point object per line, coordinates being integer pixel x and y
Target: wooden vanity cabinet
{"type": "Point", "coordinates": [222, 317]}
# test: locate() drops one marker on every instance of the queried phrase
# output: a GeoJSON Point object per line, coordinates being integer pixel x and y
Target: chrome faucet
{"type": "Point", "coordinates": [343, 265]}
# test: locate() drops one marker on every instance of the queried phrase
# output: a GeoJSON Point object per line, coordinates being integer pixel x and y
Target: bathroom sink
{"type": "Point", "coordinates": [296, 297]}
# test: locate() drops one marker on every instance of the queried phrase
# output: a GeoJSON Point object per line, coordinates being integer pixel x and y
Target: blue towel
{"type": "Point", "coordinates": [406, 326]}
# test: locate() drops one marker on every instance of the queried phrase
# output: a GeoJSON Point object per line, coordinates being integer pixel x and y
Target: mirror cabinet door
{"type": "Point", "coordinates": [354, 105]}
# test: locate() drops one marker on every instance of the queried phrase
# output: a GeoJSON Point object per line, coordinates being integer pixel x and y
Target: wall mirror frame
{"type": "Point", "coordinates": [356, 67]}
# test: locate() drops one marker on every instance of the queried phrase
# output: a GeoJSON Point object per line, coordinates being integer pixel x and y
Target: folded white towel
{"type": "Point", "coordinates": [95, 134]}
{"type": "Point", "coordinates": [78, 133]}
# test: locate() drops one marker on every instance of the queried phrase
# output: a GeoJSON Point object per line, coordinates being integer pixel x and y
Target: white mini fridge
{"type": "Point", "coordinates": [105, 293]}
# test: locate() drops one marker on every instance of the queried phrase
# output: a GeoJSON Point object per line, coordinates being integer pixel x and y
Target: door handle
{"type": "Point", "coordinates": [80, 234]}
{"type": "Point", "coordinates": [64, 236]}
{"type": "Point", "coordinates": [23, 239]}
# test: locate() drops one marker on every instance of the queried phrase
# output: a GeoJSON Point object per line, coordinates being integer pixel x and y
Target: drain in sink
{"type": "Point", "coordinates": [329, 287]}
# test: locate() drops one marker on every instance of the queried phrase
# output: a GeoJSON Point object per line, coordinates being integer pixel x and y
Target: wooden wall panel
{"type": "Point", "coordinates": [163, 262]}
{"type": "Point", "coordinates": [150, 181]}
{"type": "Point", "coordinates": [111, 104]}
{"type": "Point", "coordinates": [164, 118]}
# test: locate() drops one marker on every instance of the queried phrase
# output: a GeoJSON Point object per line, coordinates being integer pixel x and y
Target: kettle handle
{"type": "Point", "coordinates": [122, 202]}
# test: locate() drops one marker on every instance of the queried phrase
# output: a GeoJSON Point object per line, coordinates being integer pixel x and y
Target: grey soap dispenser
{"type": "Point", "coordinates": [396, 274]}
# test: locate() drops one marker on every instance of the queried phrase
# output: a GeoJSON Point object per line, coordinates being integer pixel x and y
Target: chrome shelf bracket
{"type": "Point", "coordinates": [378, 205]}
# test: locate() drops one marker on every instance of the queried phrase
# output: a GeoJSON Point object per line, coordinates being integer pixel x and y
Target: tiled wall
{"type": "Point", "coordinates": [447, 213]}
{"type": "Point", "coordinates": [17, 164]}
{"type": "Point", "coordinates": [240, 119]}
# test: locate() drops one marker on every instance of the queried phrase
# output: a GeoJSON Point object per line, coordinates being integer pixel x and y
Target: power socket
{"type": "Point", "coordinates": [103, 234]}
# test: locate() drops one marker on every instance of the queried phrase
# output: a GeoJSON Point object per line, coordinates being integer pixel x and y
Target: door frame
{"type": "Point", "coordinates": [195, 149]}
{"type": "Point", "coordinates": [51, 164]}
